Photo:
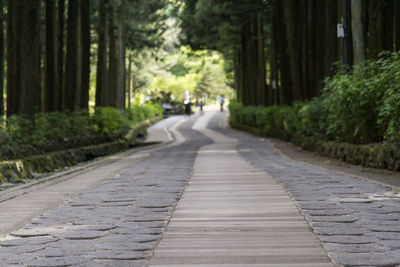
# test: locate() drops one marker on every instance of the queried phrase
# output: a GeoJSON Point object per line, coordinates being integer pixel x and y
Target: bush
{"type": "Point", "coordinates": [359, 107]}
{"type": "Point", "coordinates": [108, 120]}
{"type": "Point", "coordinates": [352, 101]}
{"type": "Point", "coordinates": [19, 137]}
{"type": "Point", "coordinates": [79, 123]}
{"type": "Point", "coordinates": [50, 128]}
{"type": "Point", "coordinates": [273, 121]}
{"type": "Point", "coordinates": [140, 113]}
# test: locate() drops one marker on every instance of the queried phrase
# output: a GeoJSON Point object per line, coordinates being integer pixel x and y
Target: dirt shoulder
{"type": "Point", "coordinates": [389, 178]}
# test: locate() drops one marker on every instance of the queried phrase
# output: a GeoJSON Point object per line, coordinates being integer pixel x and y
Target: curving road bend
{"type": "Point", "coordinates": [214, 197]}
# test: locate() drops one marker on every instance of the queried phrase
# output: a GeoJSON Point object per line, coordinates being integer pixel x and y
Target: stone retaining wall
{"type": "Point", "coordinates": [381, 156]}
{"type": "Point", "coordinates": [17, 170]}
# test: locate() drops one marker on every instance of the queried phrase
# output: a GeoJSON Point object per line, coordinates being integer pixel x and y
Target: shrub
{"type": "Point", "coordinates": [108, 120]}
{"type": "Point", "coordinates": [273, 121]}
{"type": "Point", "coordinates": [50, 128]}
{"type": "Point", "coordinates": [152, 110]}
{"type": "Point", "coordinates": [312, 116]}
{"type": "Point", "coordinates": [359, 107]}
{"type": "Point", "coordinates": [352, 101]}
{"type": "Point", "coordinates": [79, 123]}
{"type": "Point", "coordinates": [19, 129]}
{"type": "Point", "coordinates": [19, 137]}
{"type": "Point", "coordinates": [138, 113]}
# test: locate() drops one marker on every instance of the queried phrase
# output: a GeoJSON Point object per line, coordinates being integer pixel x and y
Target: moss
{"type": "Point", "coordinates": [14, 171]}
{"type": "Point", "coordinates": [382, 156]}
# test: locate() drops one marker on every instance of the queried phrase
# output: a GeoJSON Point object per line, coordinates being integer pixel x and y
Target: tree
{"type": "Point", "coordinates": [85, 54]}
{"type": "Point", "coordinates": [1, 59]}
{"type": "Point", "coordinates": [358, 31]}
{"type": "Point", "coordinates": [30, 71]}
{"type": "Point", "coordinates": [124, 25]}
{"type": "Point", "coordinates": [206, 84]}
{"type": "Point", "coordinates": [234, 28]}
{"type": "Point", "coordinates": [13, 50]}
{"type": "Point", "coordinates": [59, 92]}
{"type": "Point", "coordinates": [51, 70]}
{"type": "Point", "coordinates": [71, 73]}
{"type": "Point", "coordinates": [102, 75]}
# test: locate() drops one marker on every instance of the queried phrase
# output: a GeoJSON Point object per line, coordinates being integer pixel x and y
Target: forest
{"type": "Point", "coordinates": [281, 51]}
{"type": "Point", "coordinates": [275, 52]}
{"type": "Point", "coordinates": [322, 74]}
{"type": "Point", "coordinates": [50, 49]}
{"type": "Point", "coordinates": [69, 56]}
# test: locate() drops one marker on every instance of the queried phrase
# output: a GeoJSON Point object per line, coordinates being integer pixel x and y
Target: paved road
{"type": "Point", "coordinates": [232, 214]}
{"type": "Point", "coordinates": [120, 221]}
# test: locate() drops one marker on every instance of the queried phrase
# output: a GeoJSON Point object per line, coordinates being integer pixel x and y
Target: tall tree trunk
{"type": "Point", "coordinates": [320, 44]}
{"type": "Point", "coordinates": [102, 74]}
{"type": "Point", "coordinates": [293, 33]}
{"type": "Point", "coordinates": [129, 81]}
{"type": "Point", "coordinates": [85, 60]}
{"type": "Point", "coordinates": [30, 71]}
{"type": "Point", "coordinates": [112, 62]}
{"type": "Point", "coordinates": [13, 49]}
{"type": "Point", "coordinates": [51, 70]}
{"type": "Point", "coordinates": [313, 44]}
{"type": "Point", "coordinates": [285, 92]}
{"type": "Point", "coordinates": [388, 26]}
{"type": "Point", "coordinates": [396, 8]}
{"type": "Point", "coordinates": [358, 32]}
{"type": "Point", "coordinates": [304, 11]}
{"type": "Point", "coordinates": [120, 75]}
{"type": "Point", "coordinates": [249, 91]}
{"type": "Point", "coordinates": [238, 70]}
{"type": "Point", "coordinates": [274, 54]}
{"type": "Point", "coordinates": [396, 15]}
{"type": "Point", "coordinates": [261, 72]}
{"type": "Point", "coordinates": [375, 22]}
{"type": "Point", "coordinates": [331, 48]}
{"type": "Point", "coordinates": [71, 74]}
{"type": "Point", "coordinates": [59, 90]}
{"type": "Point", "coordinates": [1, 59]}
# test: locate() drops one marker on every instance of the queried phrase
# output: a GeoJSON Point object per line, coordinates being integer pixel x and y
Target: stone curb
{"type": "Point", "coordinates": [31, 184]}
{"type": "Point", "coordinates": [379, 156]}
{"type": "Point", "coordinates": [17, 171]}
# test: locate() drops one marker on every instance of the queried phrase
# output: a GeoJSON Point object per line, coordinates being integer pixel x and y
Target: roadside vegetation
{"type": "Point", "coordinates": [55, 131]}
{"type": "Point", "coordinates": [361, 107]}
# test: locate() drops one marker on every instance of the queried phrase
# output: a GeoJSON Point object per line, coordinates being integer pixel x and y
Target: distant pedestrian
{"type": "Point", "coordinates": [221, 103]}
{"type": "Point", "coordinates": [188, 109]}
{"type": "Point", "coordinates": [201, 104]}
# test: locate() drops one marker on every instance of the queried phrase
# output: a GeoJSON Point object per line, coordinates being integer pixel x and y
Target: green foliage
{"type": "Point", "coordinates": [359, 107]}
{"type": "Point", "coordinates": [275, 121]}
{"type": "Point", "coordinates": [312, 118]}
{"type": "Point", "coordinates": [199, 72]}
{"type": "Point", "coordinates": [108, 120]}
{"type": "Point", "coordinates": [79, 123]}
{"type": "Point", "coordinates": [19, 137]}
{"type": "Point", "coordinates": [140, 113]}
{"type": "Point", "coordinates": [175, 85]}
{"type": "Point", "coordinates": [50, 127]}
{"type": "Point", "coordinates": [179, 69]}
{"type": "Point", "coordinates": [19, 128]}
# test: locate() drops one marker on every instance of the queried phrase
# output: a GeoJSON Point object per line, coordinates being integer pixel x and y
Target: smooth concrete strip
{"type": "Point", "coordinates": [234, 215]}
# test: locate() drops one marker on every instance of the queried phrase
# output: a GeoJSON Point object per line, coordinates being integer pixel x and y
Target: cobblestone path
{"type": "Point", "coordinates": [358, 221]}
{"type": "Point", "coordinates": [117, 223]}
{"type": "Point", "coordinates": [121, 221]}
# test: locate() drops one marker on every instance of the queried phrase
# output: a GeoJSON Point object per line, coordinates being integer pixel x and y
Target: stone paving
{"type": "Point", "coordinates": [121, 221]}
{"type": "Point", "coordinates": [358, 221]}
{"type": "Point", "coordinates": [232, 214]}
{"type": "Point", "coordinates": [115, 224]}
